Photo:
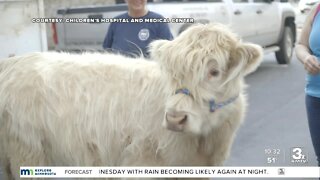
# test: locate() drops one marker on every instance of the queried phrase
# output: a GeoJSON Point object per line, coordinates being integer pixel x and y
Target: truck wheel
{"type": "Point", "coordinates": [284, 55]}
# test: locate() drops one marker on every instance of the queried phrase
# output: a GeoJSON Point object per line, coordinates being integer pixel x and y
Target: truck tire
{"type": "Point", "coordinates": [286, 44]}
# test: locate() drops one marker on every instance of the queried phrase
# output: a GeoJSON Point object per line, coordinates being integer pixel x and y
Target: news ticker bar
{"type": "Point", "coordinates": [168, 172]}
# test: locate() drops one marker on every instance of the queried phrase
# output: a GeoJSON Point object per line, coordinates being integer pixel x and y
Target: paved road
{"type": "Point", "coordinates": [276, 117]}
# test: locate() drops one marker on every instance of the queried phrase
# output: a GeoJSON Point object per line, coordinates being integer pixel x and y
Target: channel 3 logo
{"type": "Point", "coordinates": [298, 155]}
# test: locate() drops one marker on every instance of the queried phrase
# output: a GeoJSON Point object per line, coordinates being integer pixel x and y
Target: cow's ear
{"type": "Point", "coordinates": [244, 59]}
{"type": "Point", "coordinates": [156, 49]}
{"type": "Point", "coordinates": [251, 55]}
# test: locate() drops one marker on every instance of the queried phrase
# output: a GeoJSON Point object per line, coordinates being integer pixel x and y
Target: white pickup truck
{"type": "Point", "coordinates": [269, 23]}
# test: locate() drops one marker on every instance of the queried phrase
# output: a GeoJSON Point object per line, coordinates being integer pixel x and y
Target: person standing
{"type": "Point", "coordinates": [133, 38]}
{"type": "Point", "coordinates": [308, 52]}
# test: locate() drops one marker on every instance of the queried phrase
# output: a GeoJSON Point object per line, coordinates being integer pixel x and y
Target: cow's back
{"type": "Point", "coordinates": [76, 108]}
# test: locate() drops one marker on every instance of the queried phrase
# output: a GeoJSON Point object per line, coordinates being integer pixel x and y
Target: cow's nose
{"type": "Point", "coordinates": [176, 118]}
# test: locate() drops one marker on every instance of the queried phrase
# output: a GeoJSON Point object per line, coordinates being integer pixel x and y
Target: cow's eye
{"type": "Point", "coordinates": [214, 72]}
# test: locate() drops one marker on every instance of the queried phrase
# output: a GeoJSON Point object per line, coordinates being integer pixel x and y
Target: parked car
{"type": "Point", "coordinates": [268, 23]}
{"type": "Point", "coordinates": [305, 5]}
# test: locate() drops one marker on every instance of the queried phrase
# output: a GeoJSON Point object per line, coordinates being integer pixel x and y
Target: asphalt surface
{"type": "Point", "coordinates": [276, 118]}
{"type": "Point", "coordinates": [276, 115]}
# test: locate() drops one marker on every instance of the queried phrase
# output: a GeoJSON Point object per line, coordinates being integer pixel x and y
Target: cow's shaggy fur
{"type": "Point", "coordinates": [109, 110]}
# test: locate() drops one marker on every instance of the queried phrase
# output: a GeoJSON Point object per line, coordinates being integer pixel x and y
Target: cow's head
{"type": "Point", "coordinates": [204, 65]}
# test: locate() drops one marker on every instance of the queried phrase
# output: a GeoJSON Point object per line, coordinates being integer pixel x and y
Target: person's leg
{"type": "Point", "coordinates": [313, 112]}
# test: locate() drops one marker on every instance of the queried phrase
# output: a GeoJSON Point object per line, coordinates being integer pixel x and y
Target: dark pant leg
{"type": "Point", "coordinates": [313, 112]}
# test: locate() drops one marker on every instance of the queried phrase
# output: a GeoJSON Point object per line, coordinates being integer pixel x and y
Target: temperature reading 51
{"type": "Point", "coordinates": [271, 160]}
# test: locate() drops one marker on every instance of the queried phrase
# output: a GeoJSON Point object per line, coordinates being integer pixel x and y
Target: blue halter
{"type": "Point", "coordinates": [213, 105]}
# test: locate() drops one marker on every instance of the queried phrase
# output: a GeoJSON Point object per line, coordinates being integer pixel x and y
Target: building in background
{"type": "Point", "coordinates": [51, 8]}
{"type": "Point", "coordinates": [18, 35]}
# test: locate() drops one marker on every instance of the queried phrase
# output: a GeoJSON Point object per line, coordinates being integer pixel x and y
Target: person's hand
{"type": "Point", "coordinates": [312, 65]}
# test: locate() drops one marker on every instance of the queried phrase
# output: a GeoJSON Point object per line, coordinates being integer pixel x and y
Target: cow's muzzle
{"type": "Point", "coordinates": [176, 121]}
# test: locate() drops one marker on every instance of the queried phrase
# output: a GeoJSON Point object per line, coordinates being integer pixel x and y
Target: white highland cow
{"type": "Point", "coordinates": [182, 109]}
